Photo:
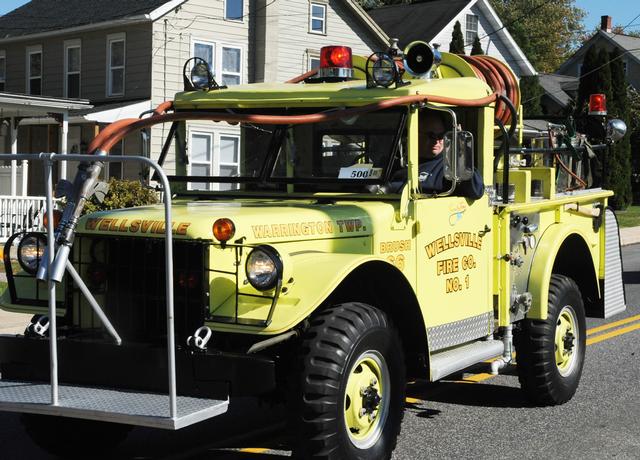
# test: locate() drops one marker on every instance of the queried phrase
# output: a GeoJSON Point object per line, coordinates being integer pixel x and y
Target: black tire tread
{"type": "Point", "coordinates": [322, 363]}
{"type": "Point", "coordinates": [535, 353]}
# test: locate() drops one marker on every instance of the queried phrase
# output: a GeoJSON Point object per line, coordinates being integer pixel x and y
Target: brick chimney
{"type": "Point", "coordinates": [606, 23]}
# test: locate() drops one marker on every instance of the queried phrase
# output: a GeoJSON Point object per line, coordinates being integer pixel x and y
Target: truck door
{"type": "Point", "coordinates": [454, 267]}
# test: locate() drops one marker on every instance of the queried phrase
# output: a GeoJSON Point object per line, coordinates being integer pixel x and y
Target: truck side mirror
{"type": "Point", "coordinates": [460, 151]}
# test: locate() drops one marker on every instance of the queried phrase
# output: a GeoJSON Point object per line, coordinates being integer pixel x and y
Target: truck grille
{"type": "Point", "coordinates": [127, 277]}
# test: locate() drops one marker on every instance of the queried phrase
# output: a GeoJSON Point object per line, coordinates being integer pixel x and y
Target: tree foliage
{"type": "Point", "coordinates": [547, 31]}
{"type": "Point", "coordinates": [122, 194]}
{"type": "Point", "coordinates": [603, 73]}
{"type": "Point", "coordinates": [477, 47]}
{"type": "Point", "coordinates": [457, 40]}
{"type": "Point", "coordinates": [531, 94]}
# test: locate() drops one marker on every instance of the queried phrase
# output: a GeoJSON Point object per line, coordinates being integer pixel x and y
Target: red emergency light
{"type": "Point", "coordinates": [335, 62]}
{"type": "Point", "coordinates": [598, 104]}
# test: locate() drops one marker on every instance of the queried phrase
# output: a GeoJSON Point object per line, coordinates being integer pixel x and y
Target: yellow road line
{"type": "Point", "coordinates": [254, 450]}
{"type": "Point", "coordinates": [411, 400]}
{"type": "Point", "coordinates": [608, 335]}
{"type": "Point", "coordinates": [607, 326]}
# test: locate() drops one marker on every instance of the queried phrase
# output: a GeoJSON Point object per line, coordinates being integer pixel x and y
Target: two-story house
{"type": "Point", "coordinates": [104, 61]}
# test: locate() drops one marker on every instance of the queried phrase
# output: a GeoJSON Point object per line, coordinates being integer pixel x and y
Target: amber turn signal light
{"type": "Point", "coordinates": [224, 229]}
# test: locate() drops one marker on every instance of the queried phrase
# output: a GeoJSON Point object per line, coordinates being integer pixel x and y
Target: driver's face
{"type": "Point", "coordinates": [431, 137]}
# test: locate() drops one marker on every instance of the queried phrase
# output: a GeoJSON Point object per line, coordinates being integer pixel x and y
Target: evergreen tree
{"type": "Point", "coordinates": [619, 165]}
{"type": "Point", "coordinates": [531, 94]}
{"type": "Point", "coordinates": [457, 40]}
{"type": "Point", "coordinates": [477, 47]}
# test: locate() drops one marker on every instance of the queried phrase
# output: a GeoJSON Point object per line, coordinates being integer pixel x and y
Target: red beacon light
{"type": "Point", "coordinates": [335, 63]}
{"type": "Point", "coordinates": [598, 104]}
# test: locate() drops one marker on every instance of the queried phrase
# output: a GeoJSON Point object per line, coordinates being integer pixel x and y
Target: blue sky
{"type": "Point", "coordinates": [623, 11]}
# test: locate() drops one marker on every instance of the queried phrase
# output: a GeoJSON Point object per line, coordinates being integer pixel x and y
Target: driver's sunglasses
{"type": "Point", "coordinates": [435, 136]}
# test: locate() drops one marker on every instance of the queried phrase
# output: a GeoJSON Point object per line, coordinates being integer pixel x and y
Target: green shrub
{"type": "Point", "coordinates": [122, 194]}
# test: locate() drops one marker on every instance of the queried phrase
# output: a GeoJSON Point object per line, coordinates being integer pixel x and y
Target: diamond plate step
{"type": "Point", "coordinates": [131, 408]}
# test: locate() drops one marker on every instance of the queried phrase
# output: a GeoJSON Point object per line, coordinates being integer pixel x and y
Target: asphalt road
{"type": "Point", "coordinates": [473, 415]}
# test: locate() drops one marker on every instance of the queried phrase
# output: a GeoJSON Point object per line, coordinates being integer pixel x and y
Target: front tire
{"type": "Point", "coordinates": [550, 353]}
{"type": "Point", "coordinates": [350, 388]}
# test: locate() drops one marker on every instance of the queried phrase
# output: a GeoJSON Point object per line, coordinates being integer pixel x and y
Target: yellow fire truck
{"type": "Point", "coordinates": [314, 265]}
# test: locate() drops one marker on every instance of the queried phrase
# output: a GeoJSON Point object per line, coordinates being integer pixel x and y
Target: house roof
{"type": "Point", "coordinates": [626, 43]}
{"type": "Point", "coordinates": [558, 87]}
{"type": "Point", "coordinates": [39, 16]}
{"type": "Point", "coordinates": [427, 19]}
{"type": "Point", "coordinates": [417, 21]}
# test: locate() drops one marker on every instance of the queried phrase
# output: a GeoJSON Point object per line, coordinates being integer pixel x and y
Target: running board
{"type": "Point", "coordinates": [447, 362]}
{"type": "Point", "coordinates": [127, 407]}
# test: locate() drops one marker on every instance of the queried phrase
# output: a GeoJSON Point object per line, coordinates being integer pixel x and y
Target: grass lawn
{"type": "Point", "coordinates": [3, 286]}
{"type": "Point", "coordinates": [630, 217]}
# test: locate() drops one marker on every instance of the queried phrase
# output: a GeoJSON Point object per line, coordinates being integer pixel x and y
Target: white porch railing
{"type": "Point", "coordinates": [20, 213]}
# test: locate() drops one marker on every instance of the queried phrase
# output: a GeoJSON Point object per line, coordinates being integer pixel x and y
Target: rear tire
{"type": "Point", "coordinates": [550, 353]}
{"type": "Point", "coordinates": [348, 398]}
{"type": "Point", "coordinates": [74, 438]}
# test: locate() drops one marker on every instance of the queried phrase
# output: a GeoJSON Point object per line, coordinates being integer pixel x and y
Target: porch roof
{"type": "Point", "coordinates": [23, 105]}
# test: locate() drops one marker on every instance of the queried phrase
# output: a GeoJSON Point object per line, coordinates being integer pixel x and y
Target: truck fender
{"type": "Point", "coordinates": [544, 260]}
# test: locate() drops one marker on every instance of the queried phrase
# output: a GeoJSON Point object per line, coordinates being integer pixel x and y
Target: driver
{"type": "Point", "coordinates": [431, 167]}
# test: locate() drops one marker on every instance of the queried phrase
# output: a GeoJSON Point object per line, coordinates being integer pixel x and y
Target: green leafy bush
{"type": "Point", "coordinates": [122, 194]}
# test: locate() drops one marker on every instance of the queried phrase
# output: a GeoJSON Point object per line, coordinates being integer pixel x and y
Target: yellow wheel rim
{"type": "Point", "coordinates": [566, 341]}
{"type": "Point", "coordinates": [366, 399]}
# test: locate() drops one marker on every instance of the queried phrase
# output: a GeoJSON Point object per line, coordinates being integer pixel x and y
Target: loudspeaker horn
{"type": "Point", "coordinates": [420, 58]}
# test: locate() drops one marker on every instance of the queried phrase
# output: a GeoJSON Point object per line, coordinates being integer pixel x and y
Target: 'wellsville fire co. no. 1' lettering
{"type": "Point", "coordinates": [135, 226]}
{"type": "Point", "coordinates": [453, 240]}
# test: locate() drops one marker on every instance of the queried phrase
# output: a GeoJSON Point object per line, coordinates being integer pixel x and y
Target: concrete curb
{"type": "Point", "coordinates": [629, 235]}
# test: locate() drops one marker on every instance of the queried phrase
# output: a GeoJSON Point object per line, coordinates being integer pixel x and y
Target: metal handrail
{"type": "Point", "coordinates": [48, 160]}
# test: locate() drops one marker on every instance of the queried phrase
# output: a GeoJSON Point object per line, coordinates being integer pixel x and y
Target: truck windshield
{"type": "Point", "coordinates": [343, 155]}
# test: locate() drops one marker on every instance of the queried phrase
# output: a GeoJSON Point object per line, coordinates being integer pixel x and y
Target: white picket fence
{"type": "Point", "coordinates": [20, 213]}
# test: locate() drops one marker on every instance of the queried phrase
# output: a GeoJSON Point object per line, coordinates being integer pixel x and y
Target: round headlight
{"type": "Point", "coordinates": [30, 252]}
{"type": "Point", "coordinates": [264, 268]}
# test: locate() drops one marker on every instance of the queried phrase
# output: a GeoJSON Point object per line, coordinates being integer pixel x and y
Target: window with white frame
{"type": "Point", "coordinates": [116, 58]}
{"type": "Point", "coordinates": [201, 149]}
{"type": "Point", "coordinates": [3, 70]}
{"type": "Point", "coordinates": [205, 162]}
{"type": "Point", "coordinates": [231, 65]}
{"type": "Point", "coordinates": [233, 10]}
{"type": "Point", "coordinates": [229, 159]}
{"type": "Point", "coordinates": [34, 70]}
{"type": "Point", "coordinates": [317, 18]}
{"type": "Point", "coordinates": [471, 29]}
{"type": "Point", "coordinates": [313, 61]}
{"type": "Point", "coordinates": [206, 51]}
{"type": "Point", "coordinates": [72, 53]}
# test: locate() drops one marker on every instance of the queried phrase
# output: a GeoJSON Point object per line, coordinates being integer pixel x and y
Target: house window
{"type": "Point", "coordinates": [314, 62]}
{"type": "Point", "coordinates": [206, 51]}
{"type": "Point", "coordinates": [34, 70]}
{"type": "Point", "coordinates": [205, 163]}
{"type": "Point", "coordinates": [317, 18]}
{"type": "Point", "coordinates": [472, 29]}
{"type": "Point", "coordinates": [229, 159]}
{"type": "Point", "coordinates": [3, 70]}
{"type": "Point", "coordinates": [72, 69]}
{"type": "Point", "coordinates": [625, 66]}
{"type": "Point", "coordinates": [233, 9]}
{"type": "Point", "coordinates": [231, 65]}
{"type": "Point", "coordinates": [201, 147]}
{"type": "Point", "coordinates": [116, 57]}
